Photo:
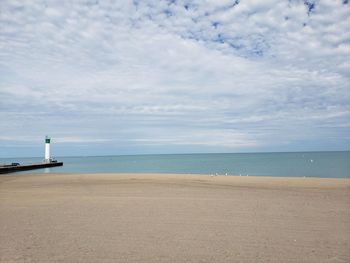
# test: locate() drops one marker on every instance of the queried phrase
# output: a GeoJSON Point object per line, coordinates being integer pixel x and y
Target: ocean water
{"type": "Point", "coordinates": [293, 164]}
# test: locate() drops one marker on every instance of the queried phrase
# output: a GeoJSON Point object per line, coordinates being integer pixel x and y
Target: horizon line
{"type": "Point", "coordinates": [141, 154]}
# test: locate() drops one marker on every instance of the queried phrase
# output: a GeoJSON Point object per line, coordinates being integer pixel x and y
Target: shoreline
{"type": "Point", "coordinates": [229, 179]}
{"type": "Point", "coordinates": [173, 218]}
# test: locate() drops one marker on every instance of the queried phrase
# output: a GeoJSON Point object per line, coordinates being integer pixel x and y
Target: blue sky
{"type": "Point", "coordinates": [130, 77]}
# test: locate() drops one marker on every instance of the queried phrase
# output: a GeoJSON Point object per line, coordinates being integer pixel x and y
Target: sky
{"type": "Point", "coordinates": [143, 77]}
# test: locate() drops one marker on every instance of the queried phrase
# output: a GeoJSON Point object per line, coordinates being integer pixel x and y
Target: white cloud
{"type": "Point", "coordinates": [179, 70]}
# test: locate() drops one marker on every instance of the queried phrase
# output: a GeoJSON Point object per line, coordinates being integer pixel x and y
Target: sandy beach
{"type": "Point", "coordinates": [173, 218]}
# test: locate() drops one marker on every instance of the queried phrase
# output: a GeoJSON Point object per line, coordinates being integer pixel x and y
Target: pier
{"type": "Point", "coordinates": [17, 168]}
{"type": "Point", "coordinates": [48, 162]}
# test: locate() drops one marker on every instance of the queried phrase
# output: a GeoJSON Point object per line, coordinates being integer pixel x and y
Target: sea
{"type": "Point", "coordinates": [288, 164]}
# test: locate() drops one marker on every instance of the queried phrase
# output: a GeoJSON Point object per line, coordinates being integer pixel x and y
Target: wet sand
{"type": "Point", "coordinates": [173, 218]}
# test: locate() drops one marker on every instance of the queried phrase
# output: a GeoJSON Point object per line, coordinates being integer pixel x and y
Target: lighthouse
{"type": "Point", "coordinates": [47, 149]}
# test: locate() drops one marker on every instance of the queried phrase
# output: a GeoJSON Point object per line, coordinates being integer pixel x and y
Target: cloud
{"type": "Point", "coordinates": [221, 75]}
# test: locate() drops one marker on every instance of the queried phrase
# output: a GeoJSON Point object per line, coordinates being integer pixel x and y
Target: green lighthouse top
{"type": "Point", "coordinates": [47, 139]}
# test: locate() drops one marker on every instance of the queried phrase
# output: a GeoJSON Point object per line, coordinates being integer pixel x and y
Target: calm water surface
{"type": "Point", "coordinates": [309, 164]}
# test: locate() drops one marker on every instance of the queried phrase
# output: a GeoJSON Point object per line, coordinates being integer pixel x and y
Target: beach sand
{"type": "Point", "coordinates": [173, 218]}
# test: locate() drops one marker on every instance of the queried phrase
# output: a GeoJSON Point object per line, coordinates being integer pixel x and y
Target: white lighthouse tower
{"type": "Point", "coordinates": [47, 149]}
